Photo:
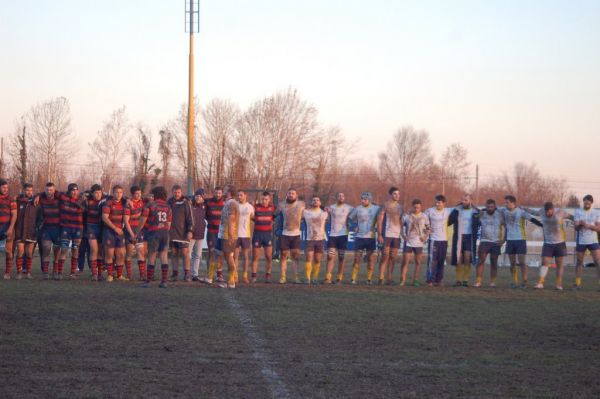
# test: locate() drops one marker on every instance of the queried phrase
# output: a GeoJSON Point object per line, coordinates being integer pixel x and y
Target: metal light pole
{"type": "Point", "coordinates": [192, 24]}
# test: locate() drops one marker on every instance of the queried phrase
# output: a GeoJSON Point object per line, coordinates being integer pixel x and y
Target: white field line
{"type": "Point", "coordinates": [259, 349]}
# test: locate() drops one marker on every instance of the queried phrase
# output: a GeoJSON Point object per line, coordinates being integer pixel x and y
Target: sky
{"type": "Point", "coordinates": [510, 80]}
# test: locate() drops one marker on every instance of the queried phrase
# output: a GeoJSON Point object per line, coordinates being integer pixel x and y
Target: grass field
{"type": "Point", "coordinates": [84, 339]}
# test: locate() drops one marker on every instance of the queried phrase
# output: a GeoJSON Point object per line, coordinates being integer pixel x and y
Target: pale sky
{"type": "Point", "coordinates": [510, 80]}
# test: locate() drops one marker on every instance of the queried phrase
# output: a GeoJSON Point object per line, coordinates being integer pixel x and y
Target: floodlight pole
{"type": "Point", "coordinates": [191, 108]}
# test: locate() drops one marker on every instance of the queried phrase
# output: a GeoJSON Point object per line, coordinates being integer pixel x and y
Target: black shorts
{"type": "Point", "coordinates": [262, 239]}
{"type": "Point", "coordinates": [225, 246]}
{"type": "Point", "coordinates": [93, 232]}
{"type": "Point", "coordinates": [338, 242]}
{"type": "Point", "coordinates": [316, 246]}
{"type": "Point", "coordinates": [486, 247]}
{"type": "Point", "coordinates": [290, 242]}
{"type": "Point", "coordinates": [554, 250]}
{"type": "Point", "coordinates": [243, 242]}
{"type": "Point", "coordinates": [212, 239]}
{"type": "Point", "coordinates": [179, 244]}
{"type": "Point", "coordinates": [412, 250]}
{"type": "Point", "coordinates": [466, 243]}
{"type": "Point", "coordinates": [392, 242]}
{"type": "Point", "coordinates": [110, 239]}
{"type": "Point", "coordinates": [587, 247]}
{"type": "Point", "coordinates": [158, 240]}
{"type": "Point", "coordinates": [516, 247]}
{"type": "Point", "coordinates": [51, 234]}
{"type": "Point", "coordinates": [368, 244]}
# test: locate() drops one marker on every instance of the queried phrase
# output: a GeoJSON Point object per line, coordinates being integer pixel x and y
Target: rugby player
{"type": "Point", "coordinates": [113, 236]}
{"type": "Point", "coordinates": [135, 244]}
{"type": "Point", "coordinates": [465, 218]}
{"type": "Point", "coordinates": [264, 214]}
{"type": "Point", "coordinates": [49, 228]}
{"type": "Point", "coordinates": [415, 233]}
{"type": "Point", "coordinates": [516, 238]}
{"type": "Point", "coordinates": [291, 210]}
{"type": "Point", "coordinates": [555, 245]}
{"type": "Point", "coordinates": [390, 215]}
{"type": "Point", "coordinates": [25, 230]}
{"type": "Point", "coordinates": [71, 228]}
{"type": "Point", "coordinates": [492, 237]}
{"type": "Point", "coordinates": [180, 234]}
{"type": "Point", "coordinates": [156, 222]}
{"type": "Point", "coordinates": [8, 218]}
{"type": "Point", "coordinates": [338, 236]}
{"type": "Point", "coordinates": [438, 240]}
{"type": "Point", "coordinates": [93, 230]}
{"type": "Point", "coordinates": [244, 242]}
{"type": "Point", "coordinates": [214, 207]}
{"type": "Point", "coordinates": [315, 219]}
{"type": "Point", "coordinates": [199, 216]}
{"type": "Point", "coordinates": [228, 230]}
{"type": "Point", "coordinates": [365, 215]}
{"type": "Point", "coordinates": [587, 226]}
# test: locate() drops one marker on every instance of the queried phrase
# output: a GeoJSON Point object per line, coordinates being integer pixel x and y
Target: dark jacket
{"type": "Point", "coordinates": [25, 226]}
{"type": "Point", "coordinates": [199, 215]}
{"type": "Point", "coordinates": [183, 220]}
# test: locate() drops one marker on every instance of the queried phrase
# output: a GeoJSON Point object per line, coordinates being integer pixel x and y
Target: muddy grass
{"type": "Point", "coordinates": [84, 339]}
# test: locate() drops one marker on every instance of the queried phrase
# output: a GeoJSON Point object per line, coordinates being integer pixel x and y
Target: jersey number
{"type": "Point", "coordinates": [162, 217]}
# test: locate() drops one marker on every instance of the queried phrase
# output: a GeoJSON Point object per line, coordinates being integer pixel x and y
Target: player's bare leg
{"type": "Point", "coordinates": [308, 266]}
{"type": "Point", "coordinates": [385, 256]}
{"type": "Point", "coordinates": [390, 265]}
{"type": "Point", "coordinates": [404, 268]}
{"type": "Point", "coordinates": [175, 254]}
{"type": "Point", "coordinates": [285, 253]}
{"type": "Point", "coordinates": [560, 270]}
{"type": "Point", "coordinates": [295, 261]}
{"type": "Point", "coordinates": [493, 269]}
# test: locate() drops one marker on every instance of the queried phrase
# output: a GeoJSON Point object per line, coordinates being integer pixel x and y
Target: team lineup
{"type": "Point", "coordinates": [111, 230]}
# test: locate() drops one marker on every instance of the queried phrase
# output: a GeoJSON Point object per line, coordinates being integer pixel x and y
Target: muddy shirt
{"type": "Point", "coordinates": [554, 227]}
{"type": "Point", "coordinates": [292, 217]}
{"type": "Point", "coordinates": [491, 226]}
{"type": "Point", "coordinates": [366, 218]}
{"type": "Point", "coordinates": [315, 219]}
{"type": "Point", "coordinates": [231, 209]}
{"type": "Point", "coordinates": [516, 223]}
{"type": "Point", "coordinates": [587, 236]}
{"type": "Point", "coordinates": [393, 223]}
{"type": "Point", "coordinates": [339, 219]}
{"type": "Point", "coordinates": [415, 228]}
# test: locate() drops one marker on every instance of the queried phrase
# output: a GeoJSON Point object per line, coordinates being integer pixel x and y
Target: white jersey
{"type": "Point", "coordinates": [246, 213]}
{"type": "Point", "coordinates": [338, 215]}
{"type": "Point", "coordinates": [516, 223]}
{"type": "Point", "coordinates": [439, 223]}
{"type": "Point", "coordinates": [466, 219]}
{"type": "Point", "coordinates": [366, 217]}
{"type": "Point", "coordinates": [491, 226]}
{"type": "Point", "coordinates": [587, 236]}
{"type": "Point", "coordinates": [416, 226]}
{"type": "Point", "coordinates": [392, 220]}
{"type": "Point", "coordinates": [315, 219]}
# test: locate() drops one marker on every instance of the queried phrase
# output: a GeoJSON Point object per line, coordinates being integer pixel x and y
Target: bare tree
{"type": "Point", "coordinates": [407, 157]}
{"type": "Point", "coordinates": [51, 136]}
{"type": "Point", "coordinates": [454, 164]}
{"type": "Point", "coordinates": [165, 150]}
{"type": "Point", "coordinates": [140, 153]}
{"type": "Point", "coordinates": [108, 147]}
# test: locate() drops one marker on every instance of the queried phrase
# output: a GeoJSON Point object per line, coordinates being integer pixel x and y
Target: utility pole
{"type": "Point", "coordinates": [192, 14]}
{"type": "Point", "coordinates": [477, 183]}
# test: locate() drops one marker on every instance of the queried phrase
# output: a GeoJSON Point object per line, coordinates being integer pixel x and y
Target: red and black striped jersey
{"type": "Point", "coordinates": [71, 212]}
{"type": "Point", "coordinates": [7, 205]}
{"type": "Point", "coordinates": [214, 208]}
{"type": "Point", "coordinates": [92, 211]}
{"type": "Point", "coordinates": [158, 214]}
{"type": "Point", "coordinates": [136, 208]}
{"type": "Point", "coordinates": [116, 211]}
{"type": "Point", "coordinates": [50, 210]}
{"type": "Point", "coordinates": [263, 218]}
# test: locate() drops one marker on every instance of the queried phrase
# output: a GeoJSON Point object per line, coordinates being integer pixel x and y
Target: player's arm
{"type": "Point", "coordinates": [380, 217]}
{"type": "Point", "coordinates": [189, 220]}
{"type": "Point", "coordinates": [453, 218]}
{"type": "Point", "coordinates": [127, 225]}
{"type": "Point", "coordinates": [13, 219]}
{"type": "Point", "coordinates": [107, 222]}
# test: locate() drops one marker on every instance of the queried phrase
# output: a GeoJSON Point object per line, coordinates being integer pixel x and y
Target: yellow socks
{"type": "Point", "coordinates": [315, 270]}
{"type": "Point", "coordinates": [459, 272]}
{"type": "Point", "coordinates": [515, 275]}
{"type": "Point", "coordinates": [328, 277]}
{"type": "Point", "coordinates": [466, 272]}
{"type": "Point", "coordinates": [370, 275]}
{"type": "Point", "coordinates": [355, 270]}
{"type": "Point", "coordinates": [212, 268]}
{"type": "Point", "coordinates": [308, 270]}
{"type": "Point", "coordinates": [578, 281]}
{"type": "Point", "coordinates": [478, 280]}
{"type": "Point", "coordinates": [340, 277]}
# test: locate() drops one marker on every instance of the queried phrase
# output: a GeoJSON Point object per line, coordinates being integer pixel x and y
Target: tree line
{"type": "Point", "coordinates": [275, 143]}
